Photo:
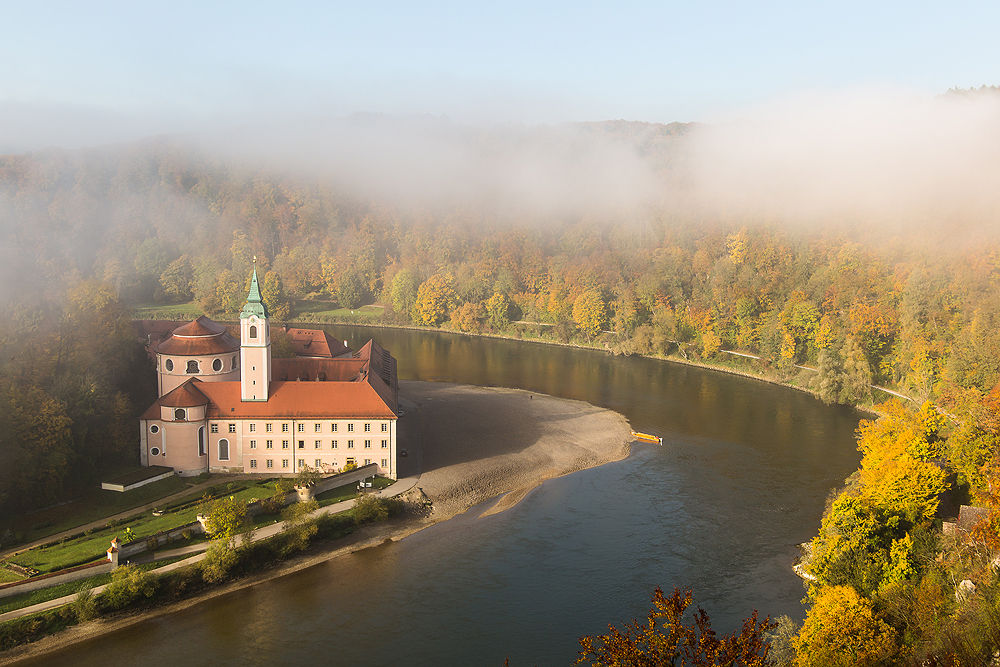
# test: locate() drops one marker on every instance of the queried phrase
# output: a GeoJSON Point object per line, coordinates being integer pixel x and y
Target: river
{"type": "Point", "coordinates": [741, 478]}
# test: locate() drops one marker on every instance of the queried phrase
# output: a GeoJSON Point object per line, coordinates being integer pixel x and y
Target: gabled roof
{"type": "Point", "coordinates": [316, 343]}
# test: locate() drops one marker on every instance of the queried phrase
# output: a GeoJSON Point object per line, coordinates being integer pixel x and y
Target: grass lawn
{"type": "Point", "coordinates": [161, 311]}
{"type": "Point", "coordinates": [349, 491]}
{"type": "Point", "coordinates": [96, 505]}
{"type": "Point", "coordinates": [319, 310]}
{"type": "Point", "coordinates": [6, 576]}
{"type": "Point", "coordinates": [45, 594]}
{"type": "Point", "coordinates": [89, 547]}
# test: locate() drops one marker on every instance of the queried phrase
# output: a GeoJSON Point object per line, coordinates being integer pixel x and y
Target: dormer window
{"type": "Point", "coordinates": [192, 367]}
{"type": "Point", "coordinates": [180, 414]}
{"type": "Point", "coordinates": [253, 331]}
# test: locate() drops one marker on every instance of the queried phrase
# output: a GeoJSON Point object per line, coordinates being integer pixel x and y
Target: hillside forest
{"type": "Point", "coordinates": [834, 305]}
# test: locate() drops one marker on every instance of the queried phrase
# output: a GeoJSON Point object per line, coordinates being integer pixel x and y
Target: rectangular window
{"type": "Point", "coordinates": [318, 428]}
{"type": "Point", "coordinates": [350, 428]}
{"type": "Point", "coordinates": [284, 428]}
{"type": "Point", "coordinates": [270, 427]}
{"type": "Point", "coordinates": [302, 463]}
{"type": "Point", "coordinates": [385, 443]}
{"type": "Point", "coordinates": [270, 444]}
{"type": "Point", "coordinates": [215, 428]}
{"type": "Point", "coordinates": [334, 446]}
{"type": "Point", "coordinates": [334, 428]}
{"type": "Point", "coordinates": [232, 428]}
{"type": "Point", "coordinates": [368, 444]}
{"type": "Point", "coordinates": [284, 444]}
{"type": "Point", "coordinates": [350, 444]}
{"type": "Point", "coordinates": [350, 460]}
{"type": "Point", "coordinates": [302, 428]}
{"type": "Point", "coordinates": [284, 463]}
{"type": "Point", "coordinates": [318, 463]}
{"type": "Point", "coordinates": [385, 427]}
{"type": "Point", "coordinates": [368, 428]}
{"type": "Point", "coordinates": [384, 463]}
{"type": "Point", "coordinates": [253, 463]}
{"type": "Point", "coordinates": [253, 427]}
{"type": "Point", "coordinates": [270, 463]}
{"type": "Point", "coordinates": [253, 444]}
{"type": "Point", "coordinates": [302, 444]}
{"type": "Point", "coordinates": [319, 443]}
{"type": "Point", "coordinates": [368, 461]}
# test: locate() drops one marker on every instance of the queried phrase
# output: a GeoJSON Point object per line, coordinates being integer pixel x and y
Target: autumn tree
{"type": "Point", "coordinates": [227, 519]}
{"type": "Point", "coordinates": [666, 638]}
{"type": "Point", "coordinates": [350, 290]}
{"type": "Point", "coordinates": [842, 630]}
{"type": "Point", "coordinates": [272, 293]}
{"type": "Point", "coordinates": [435, 299]}
{"type": "Point", "coordinates": [177, 281]}
{"type": "Point", "coordinates": [590, 312]}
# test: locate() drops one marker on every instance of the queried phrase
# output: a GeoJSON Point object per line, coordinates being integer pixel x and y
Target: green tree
{"type": "Point", "coordinates": [403, 291]}
{"type": "Point", "coordinates": [350, 290]}
{"type": "Point", "coordinates": [498, 311]}
{"type": "Point", "coordinates": [129, 584]}
{"type": "Point", "coordinates": [227, 519]}
{"type": "Point", "coordinates": [177, 282]}
{"type": "Point", "coordinates": [299, 525]}
{"type": "Point", "coordinates": [272, 293]}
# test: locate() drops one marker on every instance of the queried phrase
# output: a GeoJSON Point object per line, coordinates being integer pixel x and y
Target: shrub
{"type": "Point", "coordinates": [220, 560]}
{"type": "Point", "coordinates": [129, 584]}
{"type": "Point", "coordinates": [85, 606]}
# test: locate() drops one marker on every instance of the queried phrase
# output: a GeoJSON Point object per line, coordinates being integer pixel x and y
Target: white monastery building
{"type": "Point", "coordinates": [226, 406]}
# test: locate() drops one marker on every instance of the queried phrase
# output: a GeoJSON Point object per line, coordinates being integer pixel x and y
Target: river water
{"type": "Point", "coordinates": [741, 478]}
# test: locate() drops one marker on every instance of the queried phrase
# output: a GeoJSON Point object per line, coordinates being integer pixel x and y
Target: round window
{"type": "Point", "coordinates": [169, 365]}
{"type": "Point", "coordinates": [179, 414]}
{"type": "Point", "coordinates": [217, 365]}
{"type": "Point", "coordinates": [155, 451]}
{"type": "Point", "coordinates": [154, 429]}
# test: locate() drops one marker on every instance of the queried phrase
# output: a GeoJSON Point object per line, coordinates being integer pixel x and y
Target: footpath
{"type": "Point", "coordinates": [198, 550]}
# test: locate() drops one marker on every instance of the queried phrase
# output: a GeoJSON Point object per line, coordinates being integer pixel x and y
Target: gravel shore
{"type": "Point", "coordinates": [481, 442]}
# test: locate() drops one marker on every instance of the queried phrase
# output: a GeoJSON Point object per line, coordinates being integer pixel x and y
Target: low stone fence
{"type": "Point", "coordinates": [151, 542]}
{"type": "Point", "coordinates": [305, 494]}
{"type": "Point", "coordinates": [55, 578]}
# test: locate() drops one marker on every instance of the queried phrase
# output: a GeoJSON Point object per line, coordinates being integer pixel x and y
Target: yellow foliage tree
{"type": "Point", "coordinates": [435, 299]}
{"type": "Point", "coordinates": [842, 630]}
{"type": "Point", "coordinates": [589, 312]}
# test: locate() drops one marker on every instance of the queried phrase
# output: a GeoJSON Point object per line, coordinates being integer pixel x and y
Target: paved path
{"type": "Point", "coordinates": [399, 488]}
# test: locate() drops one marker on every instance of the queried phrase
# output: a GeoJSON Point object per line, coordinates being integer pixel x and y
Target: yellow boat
{"type": "Point", "coordinates": [647, 437]}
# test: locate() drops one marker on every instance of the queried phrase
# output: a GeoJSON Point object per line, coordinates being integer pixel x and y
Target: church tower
{"type": "Point", "coordinates": [255, 347]}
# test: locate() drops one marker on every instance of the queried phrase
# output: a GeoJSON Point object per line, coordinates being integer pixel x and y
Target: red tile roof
{"type": "Point", "coordinates": [290, 400]}
{"type": "Point", "coordinates": [316, 343]}
{"type": "Point", "coordinates": [201, 337]}
{"type": "Point", "coordinates": [202, 326]}
{"type": "Point", "coordinates": [332, 370]}
{"type": "Point", "coordinates": [185, 396]}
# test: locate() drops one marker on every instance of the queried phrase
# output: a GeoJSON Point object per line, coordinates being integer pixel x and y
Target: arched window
{"type": "Point", "coordinates": [169, 365]}
{"type": "Point", "coordinates": [180, 414]}
{"type": "Point", "coordinates": [253, 331]}
{"type": "Point", "coordinates": [201, 441]}
{"type": "Point", "coordinates": [217, 365]}
{"type": "Point", "coordinates": [192, 366]}
{"type": "Point", "coordinates": [223, 450]}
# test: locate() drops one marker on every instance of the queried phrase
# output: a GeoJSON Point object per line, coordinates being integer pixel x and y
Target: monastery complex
{"type": "Point", "coordinates": [226, 406]}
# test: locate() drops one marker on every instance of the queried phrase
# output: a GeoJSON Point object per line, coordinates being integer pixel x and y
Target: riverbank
{"type": "Point", "coordinates": [475, 444]}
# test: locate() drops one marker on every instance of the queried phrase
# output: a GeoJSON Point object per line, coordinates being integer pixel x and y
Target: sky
{"type": "Point", "coordinates": [77, 74]}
